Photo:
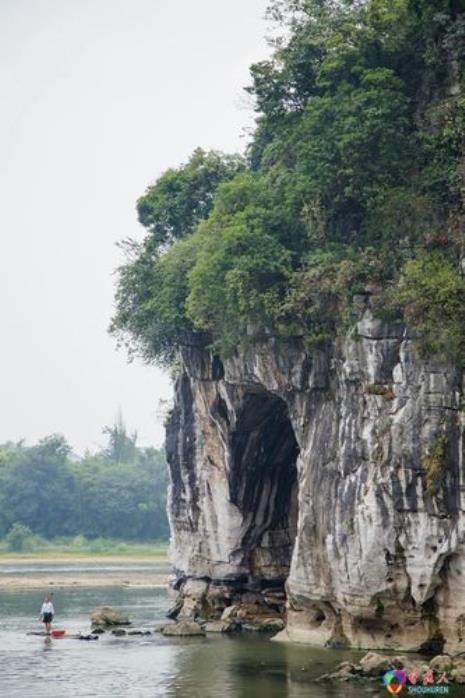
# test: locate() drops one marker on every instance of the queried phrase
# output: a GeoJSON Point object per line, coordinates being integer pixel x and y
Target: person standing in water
{"type": "Point", "coordinates": [46, 613]}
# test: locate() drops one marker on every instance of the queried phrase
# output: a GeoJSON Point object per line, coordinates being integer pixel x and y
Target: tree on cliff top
{"type": "Point", "coordinates": [355, 159]}
{"type": "Point", "coordinates": [171, 208]}
{"type": "Point", "coordinates": [152, 284]}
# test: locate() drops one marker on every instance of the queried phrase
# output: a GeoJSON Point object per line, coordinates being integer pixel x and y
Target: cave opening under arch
{"type": "Point", "coordinates": [263, 485]}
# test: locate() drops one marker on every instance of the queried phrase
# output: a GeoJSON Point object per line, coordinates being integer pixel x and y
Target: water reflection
{"type": "Point", "coordinates": [152, 666]}
{"type": "Point", "coordinates": [47, 644]}
{"type": "Point", "coordinates": [249, 667]}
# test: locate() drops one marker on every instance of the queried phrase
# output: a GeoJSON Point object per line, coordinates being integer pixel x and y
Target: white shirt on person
{"type": "Point", "coordinates": [47, 607]}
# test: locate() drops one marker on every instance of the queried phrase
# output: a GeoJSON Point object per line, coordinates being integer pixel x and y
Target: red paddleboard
{"type": "Point", "coordinates": [57, 633]}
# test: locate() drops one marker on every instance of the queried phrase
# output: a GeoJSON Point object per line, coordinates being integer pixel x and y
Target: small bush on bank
{"type": "Point", "coordinates": [18, 538]}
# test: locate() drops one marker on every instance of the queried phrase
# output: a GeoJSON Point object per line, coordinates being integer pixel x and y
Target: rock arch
{"type": "Point", "coordinates": [263, 484]}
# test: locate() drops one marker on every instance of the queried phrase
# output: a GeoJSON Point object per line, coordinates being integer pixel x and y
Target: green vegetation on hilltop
{"type": "Point", "coordinates": [353, 184]}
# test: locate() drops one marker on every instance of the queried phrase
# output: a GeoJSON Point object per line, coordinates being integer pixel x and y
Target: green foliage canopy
{"type": "Point", "coordinates": [353, 184]}
{"type": "Point", "coordinates": [182, 197]}
{"type": "Point", "coordinates": [119, 492]}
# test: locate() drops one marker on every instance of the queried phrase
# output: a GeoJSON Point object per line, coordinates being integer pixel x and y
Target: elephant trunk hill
{"type": "Point", "coordinates": [310, 299]}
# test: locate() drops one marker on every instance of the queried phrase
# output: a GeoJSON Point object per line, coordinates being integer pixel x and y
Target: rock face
{"type": "Point", "coordinates": [337, 478]}
{"type": "Point", "coordinates": [222, 626]}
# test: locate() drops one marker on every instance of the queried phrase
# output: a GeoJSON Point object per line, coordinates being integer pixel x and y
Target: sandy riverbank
{"type": "Point", "coordinates": [83, 580]}
{"type": "Point", "coordinates": [12, 576]}
{"type": "Point", "coordinates": [77, 558]}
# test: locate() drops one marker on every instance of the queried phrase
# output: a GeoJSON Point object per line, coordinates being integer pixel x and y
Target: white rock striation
{"type": "Point", "coordinates": [338, 475]}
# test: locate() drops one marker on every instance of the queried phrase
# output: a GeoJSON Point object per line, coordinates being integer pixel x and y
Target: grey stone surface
{"type": "Point", "coordinates": [287, 468]}
{"type": "Point", "coordinates": [222, 626]}
{"type": "Point", "coordinates": [106, 616]}
{"type": "Point", "coordinates": [374, 664]}
{"type": "Point", "coordinates": [119, 632]}
{"type": "Point", "coordinates": [183, 628]}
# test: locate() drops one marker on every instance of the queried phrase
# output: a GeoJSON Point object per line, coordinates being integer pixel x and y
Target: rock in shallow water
{"type": "Point", "coordinates": [184, 628]}
{"type": "Point", "coordinates": [222, 626]}
{"type": "Point", "coordinates": [458, 672]}
{"type": "Point", "coordinates": [374, 664]}
{"type": "Point", "coordinates": [107, 616]}
{"type": "Point", "coordinates": [81, 636]}
{"type": "Point", "coordinates": [442, 663]}
{"type": "Point", "coordinates": [118, 632]}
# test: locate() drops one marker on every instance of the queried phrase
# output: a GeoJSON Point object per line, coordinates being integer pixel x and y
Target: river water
{"type": "Point", "coordinates": [149, 666]}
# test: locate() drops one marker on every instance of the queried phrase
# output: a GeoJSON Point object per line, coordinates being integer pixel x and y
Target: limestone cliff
{"type": "Point", "coordinates": [337, 477]}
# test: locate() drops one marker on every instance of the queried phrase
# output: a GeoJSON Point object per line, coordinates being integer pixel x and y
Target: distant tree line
{"type": "Point", "coordinates": [118, 492]}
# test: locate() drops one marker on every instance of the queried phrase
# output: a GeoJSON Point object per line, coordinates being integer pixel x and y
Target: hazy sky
{"type": "Point", "coordinates": [98, 97]}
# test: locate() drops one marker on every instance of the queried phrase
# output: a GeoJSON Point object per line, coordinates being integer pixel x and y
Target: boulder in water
{"type": "Point", "coordinates": [119, 632]}
{"type": "Point", "coordinates": [87, 637]}
{"type": "Point", "coordinates": [374, 664]}
{"type": "Point", "coordinates": [222, 626]}
{"type": "Point", "coordinates": [458, 673]}
{"type": "Point", "coordinates": [107, 616]}
{"type": "Point", "coordinates": [442, 663]}
{"type": "Point", "coordinates": [184, 628]}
